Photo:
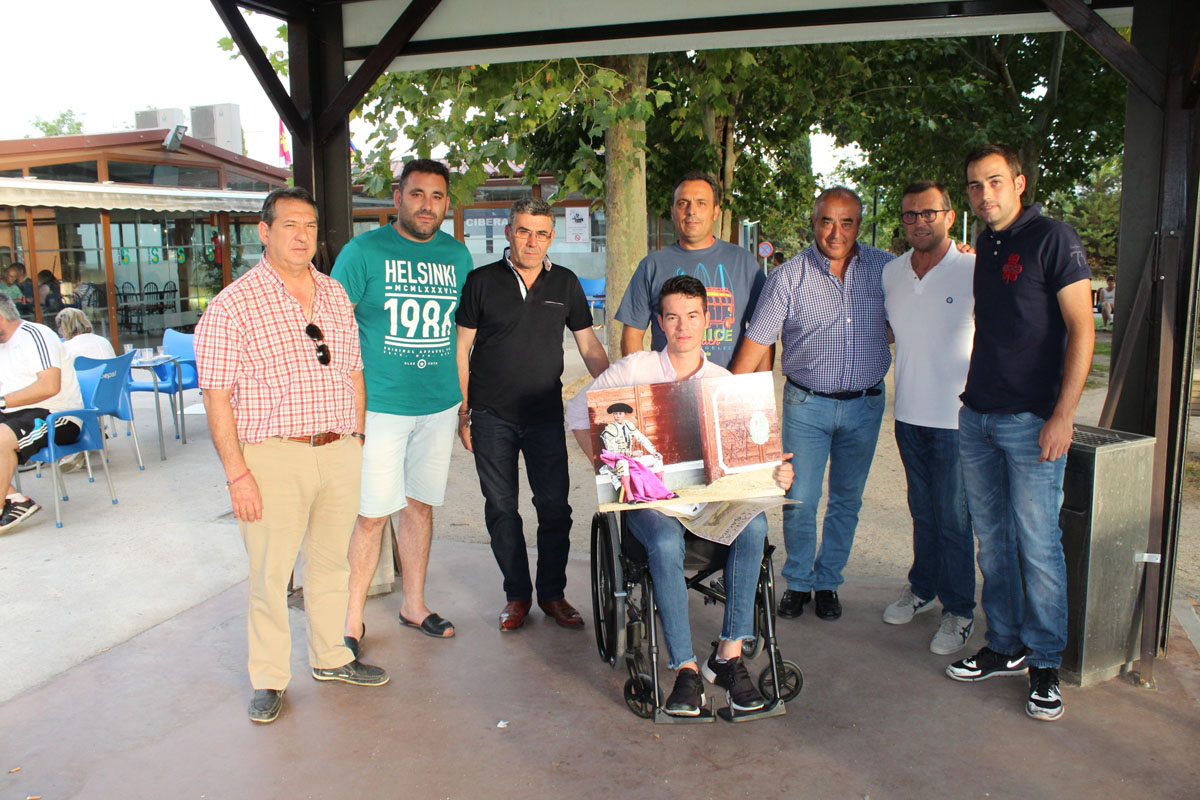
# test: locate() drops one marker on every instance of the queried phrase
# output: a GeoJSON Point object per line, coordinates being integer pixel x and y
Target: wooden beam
{"type": "Point", "coordinates": [252, 51]}
{"type": "Point", "coordinates": [1191, 89]}
{"type": "Point", "coordinates": [375, 64]}
{"type": "Point", "coordinates": [1112, 47]}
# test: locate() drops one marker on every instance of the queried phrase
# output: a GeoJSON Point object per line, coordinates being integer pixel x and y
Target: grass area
{"type": "Point", "coordinates": [1103, 348]}
{"type": "Point", "coordinates": [1100, 368]}
{"type": "Point", "coordinates": [1094, 384]}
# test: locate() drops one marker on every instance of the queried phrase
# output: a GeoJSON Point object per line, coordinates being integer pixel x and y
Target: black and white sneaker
{"type": "Point", "coordinates": [732, 676]}
{"type": "Point", "coordinates": [15, 512]}
{"type": "Point", "coordinates": [687, 698]}
{"type": "Point", "coordinates": [1045, 703]}
{"type": "Point", "coordinates": [987, 663]}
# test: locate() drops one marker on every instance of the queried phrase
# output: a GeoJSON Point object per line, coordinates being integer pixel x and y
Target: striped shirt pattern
{"type": "Point", "coordinates": [834, 332]}
{"type": "Point", "coordinates": [252, 340]}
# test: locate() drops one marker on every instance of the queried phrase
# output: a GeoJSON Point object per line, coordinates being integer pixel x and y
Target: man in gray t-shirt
{"type": "Point", "coordinates": [728, 272]}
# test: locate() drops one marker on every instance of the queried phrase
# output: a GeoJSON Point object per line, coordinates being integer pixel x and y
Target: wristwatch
{"type": "Point", "coordinates": [3, 403]}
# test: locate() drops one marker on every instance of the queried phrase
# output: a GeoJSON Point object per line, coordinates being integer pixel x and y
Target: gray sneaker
{"type": "Point", "coordinates": [355, 672]}
{"type": "Point", "coordinates": [908, 606]}
{"type": "Point", "coordinates": [952, 634]}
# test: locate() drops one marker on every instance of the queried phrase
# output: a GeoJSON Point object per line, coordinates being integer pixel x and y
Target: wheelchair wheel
{"type": "Point", "coordinates": [791, 680]}
{"type": "Point", "coordinates": [639, 696]}
{"type": "Point", "coordinates": [604, 604]}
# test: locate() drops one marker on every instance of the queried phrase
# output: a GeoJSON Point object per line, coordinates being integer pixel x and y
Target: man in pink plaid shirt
{"type": "Point", "coordinates": [279, 363]}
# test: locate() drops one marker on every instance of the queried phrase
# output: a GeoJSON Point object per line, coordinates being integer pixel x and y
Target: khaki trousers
{"type": "Point", "coordinates": [310, 501]}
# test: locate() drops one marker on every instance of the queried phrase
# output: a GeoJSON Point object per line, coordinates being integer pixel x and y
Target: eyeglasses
{"type": "Point", "coordinates": [926, 215]}
{"type": "Point", "coordinates": [525, 233]}
{"type": "Point", "coordinates": [315, 334]}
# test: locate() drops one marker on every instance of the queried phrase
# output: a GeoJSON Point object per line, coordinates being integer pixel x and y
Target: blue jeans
{"type": "Point", "coordinates": [943, 548]}
{"type": "Point", "coordinates": [497, 443]}
{"type": "Point", "coordinates": [662, 536]}
{"type": "Point", "coordinates": [843, 433]}
{"type": "Point", "coordinates": [1014, 501]}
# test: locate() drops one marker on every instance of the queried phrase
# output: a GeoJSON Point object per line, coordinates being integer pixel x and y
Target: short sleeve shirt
{"type": "Point", "coordinates": [34, 348]}
{"type": "Point", "coordinates": [252, 340]}
{"type": "Point", "coordinates": [404, 294]}
{"type": "Point", "coordinates": [933, 320]}
{"type": "Point", "coordinates": [728, 272]}
{"type": "Point", "coordinates": [1020, 334]}
{"type": "Point", "coordinates": [517, 359]}
{"type": "Point", "coordinates": [833, 330]}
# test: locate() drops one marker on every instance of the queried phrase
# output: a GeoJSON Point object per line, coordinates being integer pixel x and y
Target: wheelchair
{"type": "Point", "coordinates": [624, 619]}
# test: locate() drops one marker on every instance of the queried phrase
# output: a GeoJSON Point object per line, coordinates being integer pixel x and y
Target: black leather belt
{"type": "Point", "coordinates": [874, 391]}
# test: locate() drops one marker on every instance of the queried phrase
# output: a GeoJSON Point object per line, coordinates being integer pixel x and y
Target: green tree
{"type": "Point", "coordinates": [1094, 210]}
{"type": "Point", "coordinates": [923, 104]}
{"type": "Point", "coordinates": [65, 124]}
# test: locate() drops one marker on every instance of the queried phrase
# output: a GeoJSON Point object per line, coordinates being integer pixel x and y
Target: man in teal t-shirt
{"type": "Point", "coordinates": [405, 280]}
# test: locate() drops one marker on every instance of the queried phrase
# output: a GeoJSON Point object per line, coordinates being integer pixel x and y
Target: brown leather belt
{"type": "Point", "coordinates": [317, 439]}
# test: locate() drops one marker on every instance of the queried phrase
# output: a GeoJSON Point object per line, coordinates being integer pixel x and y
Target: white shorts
{"type": "Point", "coordinates": [406, 457]}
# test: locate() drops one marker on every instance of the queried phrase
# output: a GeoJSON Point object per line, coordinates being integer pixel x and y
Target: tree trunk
{"type": "Point", "coordinates": [625, 195]}
{"type": "Point", "coordinates": [728, 159]}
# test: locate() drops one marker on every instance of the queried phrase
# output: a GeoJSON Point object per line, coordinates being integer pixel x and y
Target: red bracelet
{"type": "Point", "coordinates": [238, 478]}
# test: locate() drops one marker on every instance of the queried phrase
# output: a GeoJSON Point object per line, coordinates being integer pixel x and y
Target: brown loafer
{"type": "Point", "coordinates": [562, 611]}
{"type": "Point", "coordinates": [512, 616]}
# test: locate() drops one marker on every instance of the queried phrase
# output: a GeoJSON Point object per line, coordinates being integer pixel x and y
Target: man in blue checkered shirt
{"type": "Point", "coordinates": [827, 303]}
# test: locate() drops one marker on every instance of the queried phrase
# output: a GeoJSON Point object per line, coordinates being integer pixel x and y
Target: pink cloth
{"type": "Point", "coordinates": [644, 485]}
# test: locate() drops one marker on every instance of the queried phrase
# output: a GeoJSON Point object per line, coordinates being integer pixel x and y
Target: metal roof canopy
{"type": "Point", "coordinates": [31, 192]}
{"type": "Point", "coordinates": [330, 39]}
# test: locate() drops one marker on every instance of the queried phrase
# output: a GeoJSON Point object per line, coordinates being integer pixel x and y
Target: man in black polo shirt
{"type": "Point", "coordinates": [510, 360]}
{"type": "Point", "coordinates": [1034, 335]}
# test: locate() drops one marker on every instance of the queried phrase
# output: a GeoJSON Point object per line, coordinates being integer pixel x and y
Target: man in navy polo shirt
{"type": "Point", "coordinates": [827, 303]}
{"type": "Point", "coordinates": [1034, 335]}
{"type": "Point", "coordinates": [510, 360]}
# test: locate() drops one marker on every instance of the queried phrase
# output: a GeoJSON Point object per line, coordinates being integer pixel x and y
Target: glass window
{"type": "Point", "coordinates": [11, 173]}
{"type": "Point", "coordinates": [162, 174]}
{"type": "Point", "coordinates": [244, 183]}
{"type": "Point", "coordinates": [483, 233]}
{"type": "Point", "coordinates": [79, 171]}
{"type": "Point", "coordinates": [506, 194]}
{"type": "Point", "coordinates": [245, 245]}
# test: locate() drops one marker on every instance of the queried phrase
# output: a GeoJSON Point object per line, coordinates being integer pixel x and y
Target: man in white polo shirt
{"type": "Point", "coordinates": [929, 300]}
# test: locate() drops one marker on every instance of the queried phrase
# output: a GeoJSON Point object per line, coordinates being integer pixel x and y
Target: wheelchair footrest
{"type": "Point", "coordinates": [775, 708]}
{"type": "Point", "coordinates": [662, 717]}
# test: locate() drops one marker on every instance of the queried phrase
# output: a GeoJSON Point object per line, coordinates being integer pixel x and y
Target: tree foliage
{"type": "Point", "coordinates": [923, 104]}
{"type": "Point", "coordinates": [1094, 210]}
{"type": "Point", "coordinates": [65, 124]}
{"type": "Point", "coordinates": [278, 58]}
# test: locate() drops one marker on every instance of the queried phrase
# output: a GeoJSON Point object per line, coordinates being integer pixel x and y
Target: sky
{"type": "Point", "coordinates": [105, 65]}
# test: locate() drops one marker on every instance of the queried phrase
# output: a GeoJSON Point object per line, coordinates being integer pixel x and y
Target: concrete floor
{"type": "Point", "coordinates": [123, 675]}
{"type": "Point", "coordinates": [163, 715]}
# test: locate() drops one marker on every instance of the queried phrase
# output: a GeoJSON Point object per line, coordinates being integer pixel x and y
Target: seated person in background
{"type": "Point", "coordinates": [8, 283]}
{"type": "Point", "coordinates": [683, 317]}
{"type": "Point", "coordinates": [78, 339]}
{"type": "Point", "coordinates": [49, 291]}
{"type": "Point", "coordinates": [35, 381]}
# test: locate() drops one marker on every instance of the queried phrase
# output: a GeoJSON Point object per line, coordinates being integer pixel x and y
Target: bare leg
{"type": "Point", "coordinates": [8, 457]}
{"type": "Point", "coordinates": [729, 648]}
{"type": "Point", "coordinates": [413, 538]}
{"type": "Point", "coordinates": [364, 558]}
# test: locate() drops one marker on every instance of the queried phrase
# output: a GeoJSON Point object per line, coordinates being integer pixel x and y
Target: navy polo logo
{"type": "Point", "coordinates": [949, 299]}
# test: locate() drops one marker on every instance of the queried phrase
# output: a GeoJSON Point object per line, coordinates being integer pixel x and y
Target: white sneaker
{"type": "Point", "coordinates": [952, 634]}
{"type": "Point", "coordinates": [908, 606]}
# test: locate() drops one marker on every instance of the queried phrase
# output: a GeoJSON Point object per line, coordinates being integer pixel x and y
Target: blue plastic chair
{"type": "Point", "coordinates": [122, 411]}
{"type": "Point", "coordinates": [100, 387]}
{"type": "Point", "coordinates": [593, 289]}
{"type": "Point", "coordinates": [179, 345]}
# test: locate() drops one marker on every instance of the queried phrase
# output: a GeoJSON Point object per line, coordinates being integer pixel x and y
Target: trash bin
{"type": "Point", "coordinates": [1105, 520]}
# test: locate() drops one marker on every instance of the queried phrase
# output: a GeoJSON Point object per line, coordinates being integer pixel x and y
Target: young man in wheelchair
{"type": "Point", "coordinates": [683, 316]}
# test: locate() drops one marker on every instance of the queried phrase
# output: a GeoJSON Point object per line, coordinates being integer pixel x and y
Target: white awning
{"type": "Point", "coordinates": [38, 193]}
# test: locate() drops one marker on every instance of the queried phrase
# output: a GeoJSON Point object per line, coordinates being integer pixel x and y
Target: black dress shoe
{"type": "Point", "coordinates": [828, 605]}
{"type": "Point", "coordinates": [791, 605]}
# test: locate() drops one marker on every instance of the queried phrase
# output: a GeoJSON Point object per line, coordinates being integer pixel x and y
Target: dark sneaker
{"type": "Point", "coordinates": [17, 512]}
{"type": "Point", "coordinates": [987, 663]}
{"type": "Point", "coordinates": [732, 676]}
{"type": "Point", "coordinates": [792, 603]}
{"type": "Point", "coordinates": [1045, 703]}
{"type": "Point", "coordinates": [355, 672]}
{"type": "Point", "coordinates": [687, 698]}
{"type": "Point", "coordinates": [265, 705]}
{"type": "Point", "coordinates": [828, 605]}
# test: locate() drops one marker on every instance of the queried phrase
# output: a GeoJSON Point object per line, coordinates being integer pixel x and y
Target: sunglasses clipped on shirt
{"type": "Point", "coordinates": [315, 334]}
